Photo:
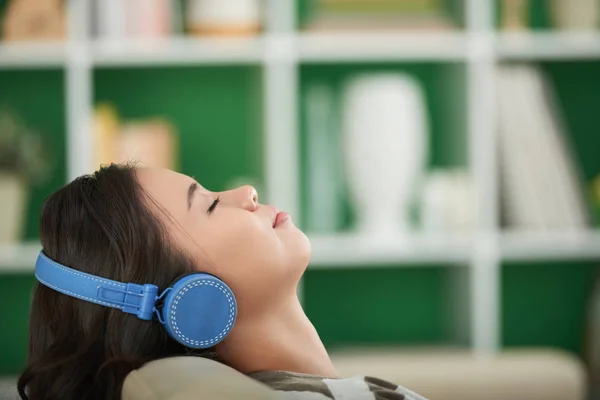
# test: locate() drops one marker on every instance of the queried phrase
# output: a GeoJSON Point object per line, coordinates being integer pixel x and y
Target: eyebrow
{"type": "Point", "coordinates": [190, 193]}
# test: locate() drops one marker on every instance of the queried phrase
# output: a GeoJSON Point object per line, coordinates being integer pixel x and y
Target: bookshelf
{"type": "Point", "coordinates": [280, 53]}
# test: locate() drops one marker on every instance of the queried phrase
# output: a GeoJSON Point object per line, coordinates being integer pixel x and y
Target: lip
{"type": "Point", "coordinates": [280, 218]}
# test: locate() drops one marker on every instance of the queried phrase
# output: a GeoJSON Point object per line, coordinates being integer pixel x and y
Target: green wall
{"type": "Point", "coordinates": [546, 304]}
{"type": "Point", "coordinates": [577, 86]}
{"type": "Point", "coordinates": [379, 306]}
{"type": "Point", "coordinates": [38, 97]}
{"type": "Point", "coordinates": [217, 112]}
{"type": "Point", "coordinates": [15, 293]}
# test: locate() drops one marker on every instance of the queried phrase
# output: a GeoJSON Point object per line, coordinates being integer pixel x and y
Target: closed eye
{"type": "Point", "coordinates": [213, 205]}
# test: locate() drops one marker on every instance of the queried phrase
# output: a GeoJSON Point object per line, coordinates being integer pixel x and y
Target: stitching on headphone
{"type": "Point", "coordinates": [70, 271]}
{"type": "Point", "coordinates": [63, 291]}
{"type": "Point", "coordinates": [174, 312]}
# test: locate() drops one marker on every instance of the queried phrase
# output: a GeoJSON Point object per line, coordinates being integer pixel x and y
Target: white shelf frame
{"type": "Point", "coordinates": [483, 284]}
{"type": "Point", "coordinates": [348, 250]}
{"type": "Point", "coordinates": [382, 47]}
{"type": "Point", "coordinates": [307, 48]}
{"type": "Point", "coordinates": [281, 50]}
{"type": "Point", "coordinates": [548, 46]}
{"type": "Point", "coordinates": [33, 55]}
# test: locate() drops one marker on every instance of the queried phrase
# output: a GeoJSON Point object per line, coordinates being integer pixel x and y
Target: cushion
{"type": "Point", "coordinates": [453, 374]}
{"type": "Point", "coordinates": [187, 378]}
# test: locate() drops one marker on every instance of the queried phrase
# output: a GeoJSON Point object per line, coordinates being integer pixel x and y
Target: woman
{"type": "Point", "coordinates": [146, 225]}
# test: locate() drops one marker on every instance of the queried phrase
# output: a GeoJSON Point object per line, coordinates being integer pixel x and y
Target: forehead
{"type": "Point", "coordinates": [168, 188]}
{"type": "Point", "coordinates": [158, 179]}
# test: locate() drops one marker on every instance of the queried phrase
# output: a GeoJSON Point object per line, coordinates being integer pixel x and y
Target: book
{"type": "Point", "coordinates": [540, 175]}
{"type": "Point", "coordinates": [106, 126]}
{"type": "Point", "coordinates": [514, 15]}
{"type": "Point", "coordinates": [149, 142]}
{"type": "Point", "coordinates": [29, 20]}
{"type": "Point", "coordinates": [114, 20]}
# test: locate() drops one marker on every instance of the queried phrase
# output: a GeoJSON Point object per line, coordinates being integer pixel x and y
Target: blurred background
{"type": "Point", "coordinates": [442, 155]}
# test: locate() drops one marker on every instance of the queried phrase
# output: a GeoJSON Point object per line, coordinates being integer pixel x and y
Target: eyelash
{"type": "Point", "coordinates": [213, 205]}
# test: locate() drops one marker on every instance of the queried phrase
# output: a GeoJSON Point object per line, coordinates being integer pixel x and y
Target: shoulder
{"type": "Point", "coordinates": [303, 386]}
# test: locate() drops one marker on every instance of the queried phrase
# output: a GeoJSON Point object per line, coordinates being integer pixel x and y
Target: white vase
{"type": "Point", "coordinates": [447, 201]}
{"type": "Point", "coordinates": [323, 160]}
{"type": "Point", "coordinates": [575, 15]}
{"type": "Point", "coordinates": [385, 141]}
{"type": "Point", "coordinates": [13, 195]}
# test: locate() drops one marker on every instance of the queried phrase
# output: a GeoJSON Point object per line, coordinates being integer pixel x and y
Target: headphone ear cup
{"type": "Point", "coordinates": [199, 311]}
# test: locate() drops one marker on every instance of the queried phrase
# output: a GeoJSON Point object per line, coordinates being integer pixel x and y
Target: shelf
{"type": "Point", "coordinates": [306, 47]}
{"type": "Point", "coordinates": [548, 46]}
{"type": "Point", "coordinates": [19, 258]}
{"type": "Point", "coordinates": [350, 250]}
{"type": "Point", "coordinates": [178, 51]}
{"type": "Point", "coordinates": [372, 46]}
{"type": "Point", "coordinates": [335, 47]}
{"type": "Point", "coordinates": [550, 246]}
{"type": "Point", "coordinates": [8, 386]}
{"type": "Point", "coordinates": [32, 55]}
{"type": "Point", "coordinates": [347, 250]}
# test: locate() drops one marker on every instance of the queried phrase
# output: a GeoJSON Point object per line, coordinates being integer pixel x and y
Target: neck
{"type": "Point", "coordinates": [280, 338]}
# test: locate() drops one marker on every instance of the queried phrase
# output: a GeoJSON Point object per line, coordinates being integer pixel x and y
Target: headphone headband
{"type": "Point", "coordinates": [128, 297]}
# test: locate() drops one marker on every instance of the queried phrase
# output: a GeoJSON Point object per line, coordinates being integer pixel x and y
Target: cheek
{"type": "Point", "coordinates": [251, 257]}
{"type": "Point", "coordinates": [241, 249]}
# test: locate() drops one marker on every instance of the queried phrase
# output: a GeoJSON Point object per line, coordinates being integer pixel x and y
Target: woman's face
{"type": "Point", "coordinates": [256, 251]}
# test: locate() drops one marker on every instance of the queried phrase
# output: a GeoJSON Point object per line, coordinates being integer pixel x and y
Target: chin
{"type": "Point", "coordinates": [300, 252]}
{"type": "Point", "coordinates": [305, 245]}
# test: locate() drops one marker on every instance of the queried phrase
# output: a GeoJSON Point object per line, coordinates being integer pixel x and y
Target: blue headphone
{"type": "Point", "coordinates": [198, 309]}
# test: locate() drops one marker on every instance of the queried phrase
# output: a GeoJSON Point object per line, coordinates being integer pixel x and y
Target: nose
{"type": "Point", "coordinates": [250, 197]}
{"type": "Point", "coordinates": [245, 197]}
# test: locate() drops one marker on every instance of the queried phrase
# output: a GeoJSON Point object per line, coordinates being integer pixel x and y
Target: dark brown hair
{"type": "Point", "coordinates": [100, 224]}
